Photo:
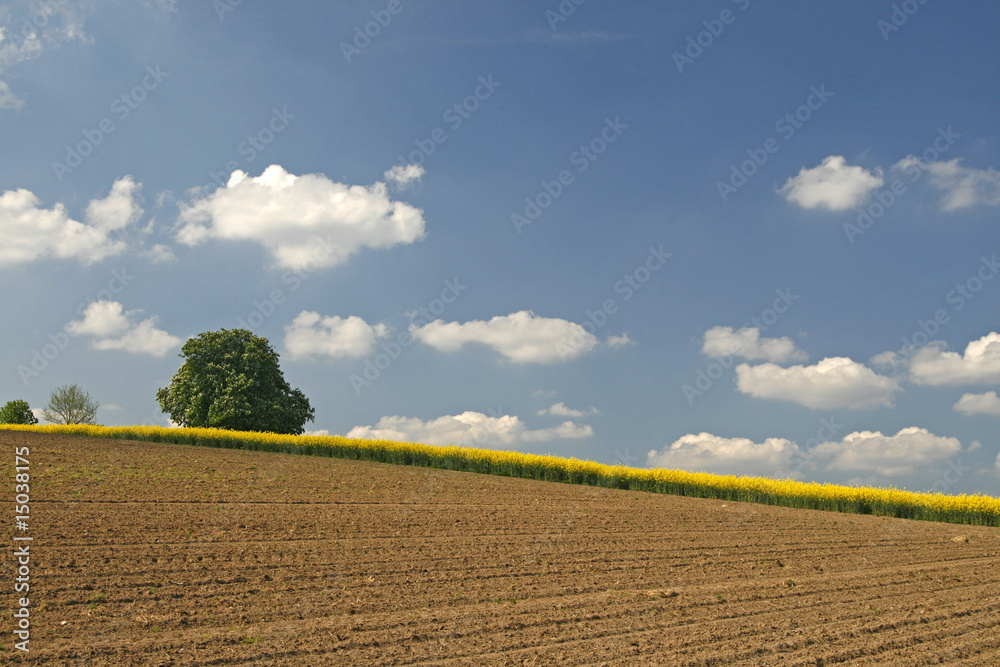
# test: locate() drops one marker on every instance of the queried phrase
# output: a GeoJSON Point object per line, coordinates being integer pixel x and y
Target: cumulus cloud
{"type": "Point", "coordinates": [561, 410]}
{"type": "Point", "coordinates": [402, 176]}
{"type": "Point", "coordinates": [29, 232]}
{"type": "Point", "coordinates": [619, 341]}
{"type": "Point", "coordinates": [470, 429]}
{"type": "Point", "coordinates": [119, 209]}
{"type": "Point", "coordinates": [304, 221]}
{"type": "Point", "coordinates": [747, 343]}
{"type": "Point", "coordinates": [521, 337]}
{"type": "Point", "coordinates": [979, 404]}
{"type": "Point", "coordinates": [116, 329]}
{"type": "Point", "coordinates": [834, 185]}
{"type": "Point", "coordinates": [887, 455]}
{"type": "Point", "coordinates": [102, 319]}
{"type": "Point", "coordinates": [834, 382]}
{"type": "Point", "coordinates": [311, 334]}
{"type": "Point", "coordinates": [705, 452]}
{"type": "Point", "coordinates": [933, 364]}
{"type": "Point", "coordinates": [963, 187]}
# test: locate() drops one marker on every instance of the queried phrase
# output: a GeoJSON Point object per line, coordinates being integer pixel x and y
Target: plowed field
{"type": "Point", "coordinates": [148, 554]}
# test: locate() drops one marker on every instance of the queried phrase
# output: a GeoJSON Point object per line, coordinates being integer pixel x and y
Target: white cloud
{"type": "Point", "coordinates": [159, 254]}
{"type": "Point", "coordinates": [311, 334]}
{"type": "Point", "coordinates": [119, 209]}
{"type": "Point", "coordinates": [834, 382]}
{"type": "Point", "coordinates": [565, 431]}
{"type": "Point", "coordinates": [619, 341]}
{"type": "Point", "coordinates": [319, 432]}
{"type": "Point", "coordinates": [402, 176]}
{"type": "Point", "coordinates": [979, 404]}
{"type": "Point", "coordinates": [890, 360]}
{"type": "Point", "coordinates": [102, 319]}
{"type": "Point", "coordinates": [747, 343]}
{"type": "Point", "coordinates": [304, 221]}
{"type": "Point", "coordinates": [143, 338]}
{"type": "Point", "coordinates": [933, 364]}
{"type": "Point", "coordinates": [8, 100]}
{"type": "Point", "coordinates": [833, 185]}
{"type": "Point", "coordinates": [470, 429]}
{"type": "Point", "coordinates": [964, 187]}
{"type": "Point", "coordinates": [29, 232]}
{"type": "Point", "coordinates": [705, 452]}
{"type": "Point", "coordinates": [117, 330]}
{"type": "Point", "coordinates": [894, 455]}
{"type": "Point", "coordinates": [522, 337]}
{"type": "Point", "coordinates": [560, 410]}
{"type": "Point", "coordinates": [38, 27]}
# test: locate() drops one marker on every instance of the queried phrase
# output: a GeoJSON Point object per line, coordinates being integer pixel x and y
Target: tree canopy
{"type": "Point", "coordinates": [17, 412]}
{"type": "Point", "coordinates": [70, 405]}
{"type": "Point", "coordinates": [231, 379]}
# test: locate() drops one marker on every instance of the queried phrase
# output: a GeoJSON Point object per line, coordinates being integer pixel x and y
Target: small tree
{"type": "Point", "coordinates": [17, 412]}
{"type": "Point", "coordinates": [70, 405]}
{"type": "Point", "coordinates": [231, 379]}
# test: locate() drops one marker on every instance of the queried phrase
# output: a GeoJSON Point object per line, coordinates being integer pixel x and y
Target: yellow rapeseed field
{"type": "Point", "coordinates": [968, 509]}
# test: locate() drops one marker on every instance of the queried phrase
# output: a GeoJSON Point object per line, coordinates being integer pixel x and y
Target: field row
{"type": "Point", "coordinates": [405, 566]}
{"type": "Point", "coordinates": [966, 509]}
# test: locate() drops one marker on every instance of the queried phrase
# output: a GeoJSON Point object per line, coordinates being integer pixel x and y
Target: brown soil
{"type": "Point", "coordinates": [148, 554]}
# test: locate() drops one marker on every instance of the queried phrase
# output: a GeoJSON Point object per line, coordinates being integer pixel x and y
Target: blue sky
{"type": "Point", "coordinates": [741, 237]}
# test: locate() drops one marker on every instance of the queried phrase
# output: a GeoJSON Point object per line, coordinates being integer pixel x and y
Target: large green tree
{"type": "Point", "coordinates": [231, 379]}
{"type": "Point", "coordinates": [17, 412]}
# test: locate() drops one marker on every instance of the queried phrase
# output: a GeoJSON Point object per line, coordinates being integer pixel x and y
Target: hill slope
{"type": "Point", "coordinates": [167, 554]}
